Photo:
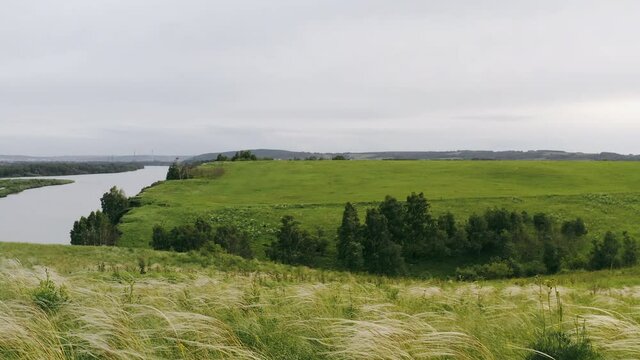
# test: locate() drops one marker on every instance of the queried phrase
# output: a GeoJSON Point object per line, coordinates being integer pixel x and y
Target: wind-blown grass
{"type": "Point", "coordinates": [192, 306]}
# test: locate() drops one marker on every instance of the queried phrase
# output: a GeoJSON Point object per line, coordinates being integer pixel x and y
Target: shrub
{"type": "Point", "coordinates": [234, 241]}
{"type": "Point", "coordinates": [182, 238]}
{"type": "Point", "coordinates": [468, 273]}
{"type": "Point", "coordinates": [558, 345]}
{"type": "Point", "coordinates": [576, 262]}
{"type": "Point", "coordinates": [532, 268]}
{"type": "Point", "coordinates": [498, 269]}
{"type": "Point", "coordinates": [48, 296]}
{"type": "Point", "coordinates": [160, 239]}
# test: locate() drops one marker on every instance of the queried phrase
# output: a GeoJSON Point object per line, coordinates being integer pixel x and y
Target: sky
{"type": "Point", "coordinates": [195, 76]}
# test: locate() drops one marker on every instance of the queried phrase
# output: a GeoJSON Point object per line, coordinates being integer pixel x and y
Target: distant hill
{"type": "Point", "coordinates": [264, 153]}
{"type": "Point", "coordinates": [432, 155]}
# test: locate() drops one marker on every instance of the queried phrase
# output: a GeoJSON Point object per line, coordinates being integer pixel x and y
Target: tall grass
{"type": "Point", "coordinates": [236, 309]}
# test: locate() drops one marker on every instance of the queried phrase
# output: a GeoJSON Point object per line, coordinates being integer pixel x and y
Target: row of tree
{"type": "Point", "coordinates": [394, 233]}
{"type": "Point", "coordinates": [26, 169]}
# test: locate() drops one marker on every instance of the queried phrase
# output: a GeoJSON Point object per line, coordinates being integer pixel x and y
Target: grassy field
{"type": "Point", "coordinates": [255, 195]}
{"type": "Point", "coordinates": [189, 306]}
{"type": "Point", "coordinates": [14, 186]}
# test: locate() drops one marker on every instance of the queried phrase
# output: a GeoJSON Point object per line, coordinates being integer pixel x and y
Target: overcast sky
{"type": "Point", "coordinates": [195, 76]}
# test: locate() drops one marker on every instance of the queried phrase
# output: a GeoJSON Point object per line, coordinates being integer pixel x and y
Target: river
{"type": "Point", "coordinates": [46, 215]}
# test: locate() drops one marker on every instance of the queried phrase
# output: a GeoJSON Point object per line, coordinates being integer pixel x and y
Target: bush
{"type": "Point", "coordinates": [48, 296]}
{"type": "Point", "coordinates": [558, 345]}
{"type": "Point", "coordinates": [468, 273]}
{"type": "Point", "coordinates": [234, 241]}
{"type": "Point", "coordinates": [532, 268]}
{"type": "Point", "coordinates": [498, 269]}
{"type": "Point", "coordinates": [182, 238]}
{"type": "Point", "coordinates": [576, 262]}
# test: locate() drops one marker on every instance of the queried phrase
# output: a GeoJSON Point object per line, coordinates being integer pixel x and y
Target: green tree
{"type": "Point", "coordinates": [174, 172]}
{"type": "Point", "coordinates": [629, 250]}
{"type": "Point", "coordinates": [114, 204]}
{"type": "Point", "coordinates": [574, 228]}
{"type": "Point", "coordinates": [96, 229]}
{"type": "Point", "coordinates": [381, 255]}
{"type": "Point", "coordinates": [477, 232]}
{"type": "Point", "coordinates": [418, 226]}
{"type": "Point", "coordinates": [551, 257]}
{"type": "Point", "coordinates": [543, 224]}
{"type": "Point", "coordinates": [222, 157]}
{"type": "Point", "coordinates": [604, 254]}
{"type": "Point", "coordinates": [349, 244]}
{"type": "Point", "coordinates": [293, 245]}
{"type": "Point", "coordinates": [394, 212]}
{"type": "Point", "coordinates": [244, 155]}
{"type": "Point", "coordinates": [160, 240]}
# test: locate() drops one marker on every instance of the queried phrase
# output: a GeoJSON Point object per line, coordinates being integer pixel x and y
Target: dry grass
{"type": "Point", "coordinates": [191, 312]}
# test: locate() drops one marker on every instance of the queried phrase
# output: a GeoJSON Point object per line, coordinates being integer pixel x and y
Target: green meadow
{"type": "Point", "coordinates": [255, 195]}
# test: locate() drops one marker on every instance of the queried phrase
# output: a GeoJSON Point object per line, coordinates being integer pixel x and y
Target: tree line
{"type": "Point", "coordinates": [28, 169]}
{"type": "Point", "coordinates": [497, 243]}
{"type": "Point", "coordinates": [516, 243]}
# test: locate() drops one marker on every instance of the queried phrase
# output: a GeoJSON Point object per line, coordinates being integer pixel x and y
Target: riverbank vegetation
{"type": "Point", "coordinates": [32, 169]}
{"type": "Point", "coordinates": [116, 303]}
{"type": "Point", "coordinates": [14, 186]}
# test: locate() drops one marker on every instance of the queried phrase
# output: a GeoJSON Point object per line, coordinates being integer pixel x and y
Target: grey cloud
{"type": "Point", "coordinates": [318, 75]}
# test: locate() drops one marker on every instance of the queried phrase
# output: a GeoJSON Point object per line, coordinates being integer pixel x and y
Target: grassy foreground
{"type": "Point", "coordinates": [255, 195]}
{"type": "Point", "coordinates": [189, 306]}
{"type": "Point", "coordinates": [14, 186]}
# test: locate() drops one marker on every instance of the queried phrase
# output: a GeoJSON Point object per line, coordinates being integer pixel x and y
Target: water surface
{"type": "Point", "coordinates": [46, 215]}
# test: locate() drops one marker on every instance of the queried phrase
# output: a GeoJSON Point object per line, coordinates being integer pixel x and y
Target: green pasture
{"type": "Point", "coordinates": [255, 195]}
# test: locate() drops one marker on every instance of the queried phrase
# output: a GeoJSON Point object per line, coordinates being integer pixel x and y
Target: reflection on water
{"type": "Point", "coordinates": [46, 215]}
